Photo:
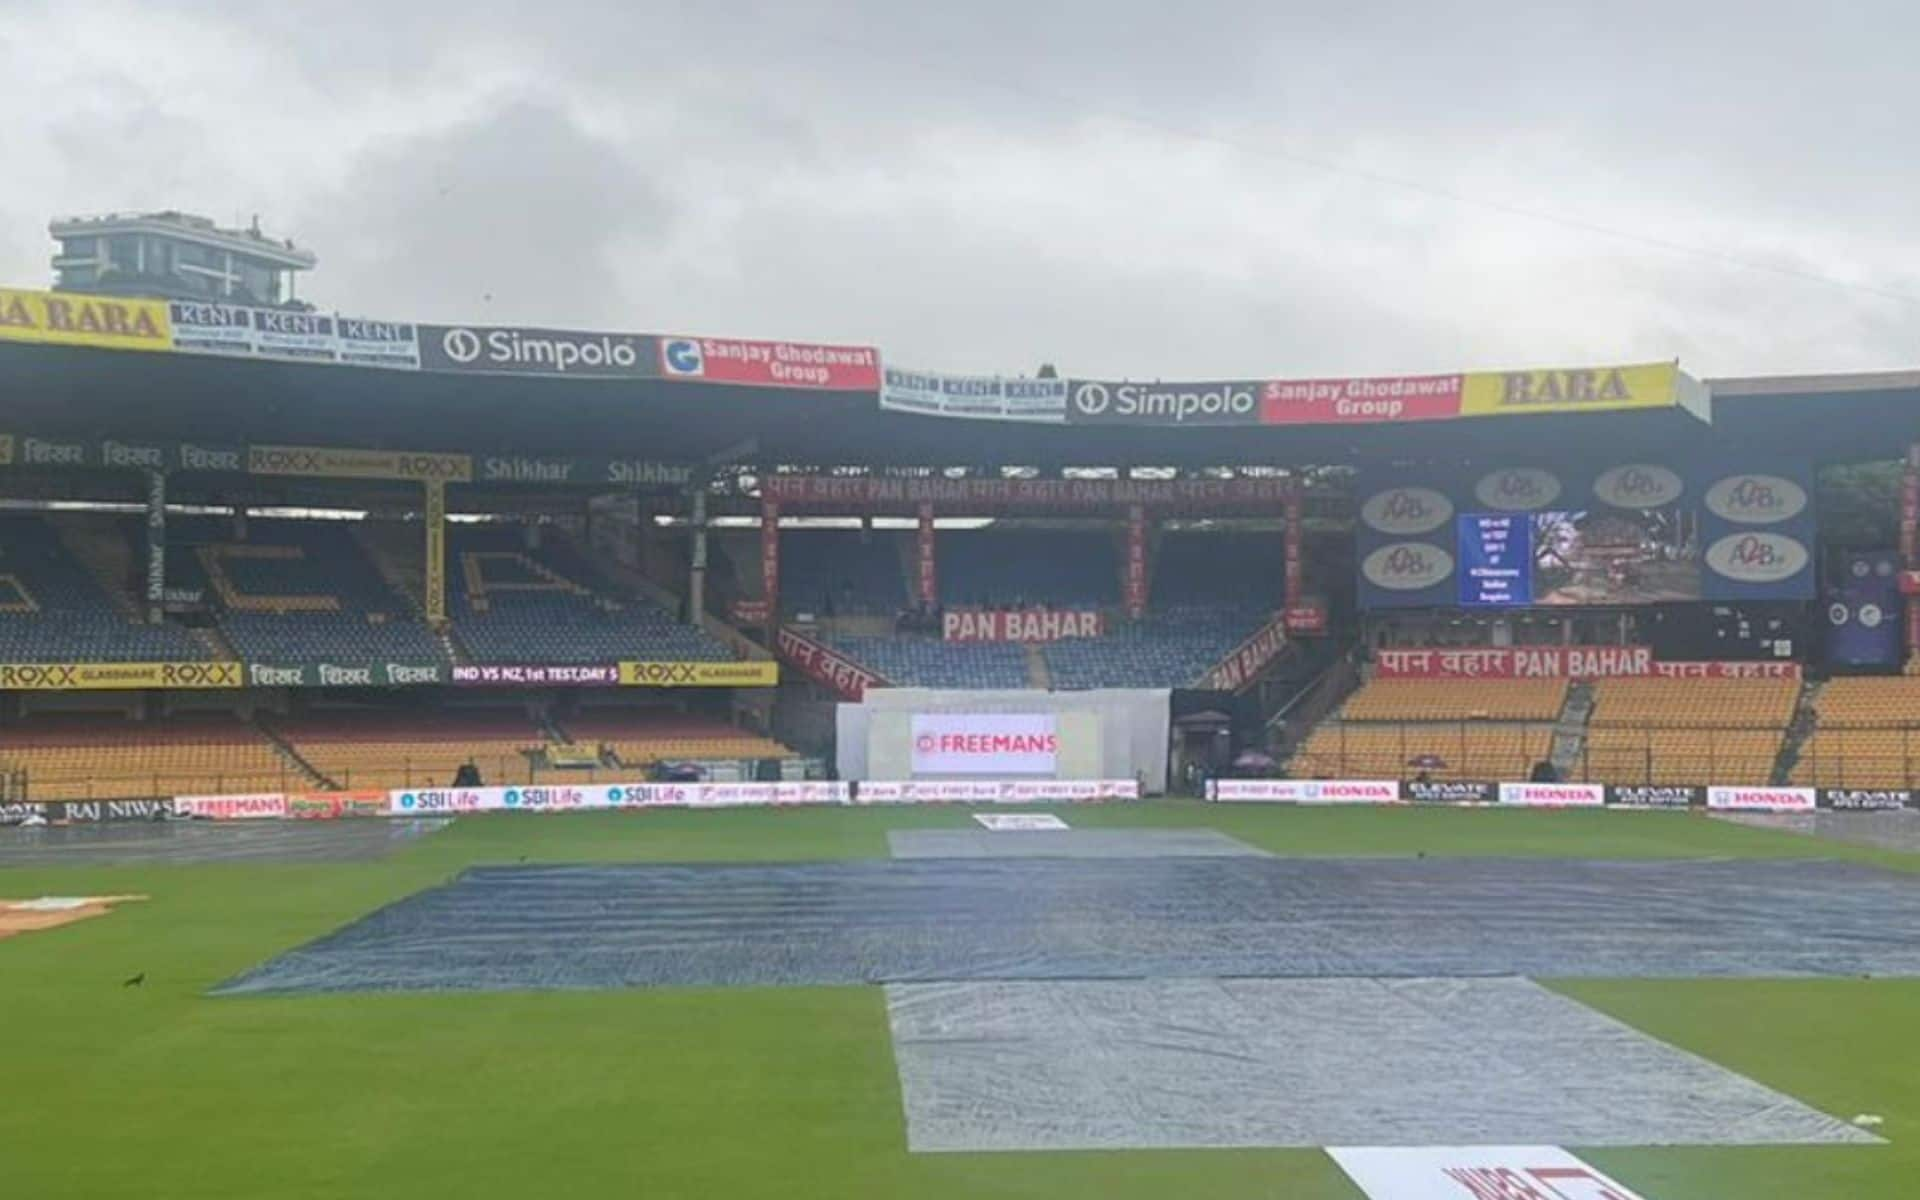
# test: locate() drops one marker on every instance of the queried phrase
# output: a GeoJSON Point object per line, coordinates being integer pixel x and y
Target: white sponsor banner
{"type": "Point", "coordinates": [1476, 1173]}
{"type": "Point", "coordinates": [250, 806]}
{"type": "Point", "coordinates": [989, 397]}
{"type": "Point", "coordinates": [1553, 795]}
{"type": "Point", "coordinates": [1762, 799]}
{"type": "Point", "coordinates": [996, 791]}
{"type": "Point", "coordinates": [234, 329]}
{"type": "Point", "coordinates": [984, 744]}
{"type": "Point", "coordinates": [1021, 625]}
{"type": "Point", "coordinates": [1305, 791]}
{"type": "Point", "coordinates": [1020, 822]}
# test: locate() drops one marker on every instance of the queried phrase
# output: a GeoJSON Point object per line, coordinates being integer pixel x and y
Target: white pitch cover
{"type": "Point", "coordinates": [1476, 1173]}
{"type": "Point", "coordinates": [1020, 822]}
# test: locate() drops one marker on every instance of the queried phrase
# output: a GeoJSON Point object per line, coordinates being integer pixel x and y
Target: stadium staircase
{"type": "Point", "coordinates": [291, 756]}
{"type": "Point", "coordinates": [624, 575]}
{"type": "Point", "coordinates": [1038, 676]}
{"type": "Point", "coordinates": [1805, 717]}
{"type": "Point", "coordinates": [1570, 731]}
{"type": "Point", "coordinates": [98, 544]}
{"type": "Point", "coordinates": [395, 551]}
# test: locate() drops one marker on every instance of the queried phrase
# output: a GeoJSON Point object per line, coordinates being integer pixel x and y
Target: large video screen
{"type": "Point", "coordinates": [1632, 534]}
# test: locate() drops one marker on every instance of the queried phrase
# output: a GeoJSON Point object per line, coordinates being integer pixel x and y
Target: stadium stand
{"type": "Point", "coordinates": [513, 603]}
{"type": "Point", "coordinates": [369, 748]}
{"type": "Point", "coordinates": [1688, 730]}
{"type": "Point", "coordinates": [1457, 700]}
{"type": "Point", "coordinates": [52, 609]}
{"type": "Point", "coordinates": [1867, 735]}
{"type": "Point", "coordinates": [88, 757]}
{"type": "Point", "coordinates": [1017, 568]}
{"type": "Point", "coordinates": [1224, 571]}
{"type": "Point", "coordinates": [842, 571]}
{"type": "Point", "coordinates": [642, 737]}
{"type": "Point", "coordinates": [1450, 729]}
{"type": "Point", "coordinates": [913, 661]}
{"type": "Point", "coordinates": [294, 591]}
{"type": "Point", "coordinates": [1167, 648]}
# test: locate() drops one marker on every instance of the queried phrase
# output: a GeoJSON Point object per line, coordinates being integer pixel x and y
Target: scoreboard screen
{"type": "Point", "coordinates": [1496, 559]}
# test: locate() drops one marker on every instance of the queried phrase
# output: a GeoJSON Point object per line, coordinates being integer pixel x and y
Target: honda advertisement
{"type": "Point", "coordinates": [984, 744]}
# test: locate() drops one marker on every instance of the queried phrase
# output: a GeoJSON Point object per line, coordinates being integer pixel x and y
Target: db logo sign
{"type": "Point", "coordinates": [1756, 499]}
{"type": "Point", "coordinates": [1092, 398]}
{"type": "Point", "coordinates": [1407, 566]}
{"type": "Point", "coordinates": [1638, 486]}
{"type": "Point", "coordinates": [1757, 557]}
{"type": "Point", "coordinates": [1403, 512]}
{"type": "Point", "coordinates": [682, 356]}
{"type": "Point", "coordinates": [461, 345]}
{"type": "Point", "coordinates": [1519, 489]}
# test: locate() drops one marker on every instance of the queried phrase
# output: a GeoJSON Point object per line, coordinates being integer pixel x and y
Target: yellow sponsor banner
{"type": "Point", "coordinates": [71, 319]}
{"type": "Point", "coordinates": [327, 462]}
{"type": "Point", "coordinates": [6, 449]}
{"type": "Point", "coordinates": [67, 677]}
{"type": "Point", "coordinates": [700, 674]}
{"type": "Point", "coordinates": [1571, 389]}
{"type": "Point", "coordinates": [436, 562]}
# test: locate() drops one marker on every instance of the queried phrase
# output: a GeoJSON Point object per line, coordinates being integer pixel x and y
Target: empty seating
{"type": "Point", "coordinates": [1169, 649]}
{"type": "Point", "coordinates": [1442, 750]}
{"type": "Point", "coordinates": [85, 757]}
{"type": "Point", "coordinates": [641, 738]}
{"type": "Point", "coordinates": [55, 610]}
{"type": "Point", "coordinates": [379, 748]}
{"type": "Point", "coordinates": [1219, 570]}
{"type": "Point", "coordinates": [1457, 700]}
{"type": "Point", "coordinates": [930, 662]}
{"type": "Point", "coordinates": [1015, 568]}
{"type": "Point", "coordinates": [842, 572]}
{"type": "Point", "coordinates": [1867, 735]}
{"type": "Point", "coordinates": [1695, 703]}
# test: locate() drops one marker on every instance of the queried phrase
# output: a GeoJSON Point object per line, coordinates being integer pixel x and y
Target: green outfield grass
{"type": "Point", "coordinates": [160, 1092]}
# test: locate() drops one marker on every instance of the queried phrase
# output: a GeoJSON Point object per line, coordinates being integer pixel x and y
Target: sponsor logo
{"type": "Point", "coordinates": [1402, 512]}
{"type": "Point", "coordinates": [232, 808]}
{"type": "Point", "coordinates": [1761, 799]}
{"type": "Point", "coordinates": [1166, 404]}
{"type": "Point", "coordinates": [1553, 795]}
{"type": "Point", "coordinates": [1517, 489]}
{"type": "Point", "coordinates": [1563, 389]}
{"type": "Point", "coordinates": [1638, 486]}
{"type": "Point", "coordinates": [206, 458]}
{"type": "Point", "coordinates": [1653, 796]}
{"type": "Point", "coordinates": [84, 320]}
{"type": "Point", "coordinates": [1046, 625]}
{"type": "Point", "coordinates": [526, 470]}
{"type": "Point", "coordinates": [1444, 791]}
{"type": "Point", "coordinates": [90, 811]}
{"type": "Point", "coordinates": [333, 676]}
{"type": "Point", "coordinates": [39, 452]}
{"type": "Point", "coordinates": [1756, 499]}
{"type": "Point", "coordinates": [1756, 557]}
{"type": "Point", "coordinates": [73, 676]}
{"type": "Point", "coordinates": [1865, 799]}
{"type": "Point", "coordinates": [700, 674]}
{"type": "Point", "coordinates": [331, 463]}
{"type": "Point", "coordinates": [682, 356]}
{"type": "Point", "coordinates": [259, 675]}
{"type": "Point", "coordinates": [401, 673]}
{"type": "Point", "coordinates": [1354, 401]}
{"type": "Point", "coordinates": [513, 350]}
{"type": "Point", "coordinates": [120, 454]}
{"type": "Point", "coordinates": [1306, 791]}
{"type": "Point", "coordinates": [1407, 566]}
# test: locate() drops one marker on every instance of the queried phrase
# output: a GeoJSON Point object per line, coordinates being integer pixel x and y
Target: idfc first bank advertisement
{"type": "Point", "coordinates": [985, 744]}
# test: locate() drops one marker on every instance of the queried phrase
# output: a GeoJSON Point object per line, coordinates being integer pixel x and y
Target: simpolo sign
{"type": "Point", "coordinates": [1106, 402]}
{"type": "Point", "coordinates": [515, 350]}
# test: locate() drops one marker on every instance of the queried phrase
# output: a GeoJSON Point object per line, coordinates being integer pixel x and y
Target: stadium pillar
{"type": "Point", "coordinates": [1295, 567]}
{"type": "Point", "coordinates": [1134, 584]}
{"type": "Point", "coordinates": [770, 556]}
{"type": "Point", "coordinates": [156, 546]}
{"type": "Point", "coordinates": [697, 576]}
{"type": "Point", "coordinates": [435, 511]}
{"type": "Point", "coordinates": [928, 565]}
{"type": "Point", "coordinates": [1910, 539]}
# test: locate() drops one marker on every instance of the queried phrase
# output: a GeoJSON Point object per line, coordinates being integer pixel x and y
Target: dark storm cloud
{"type": "Point", "coordinates": [1226, 188]}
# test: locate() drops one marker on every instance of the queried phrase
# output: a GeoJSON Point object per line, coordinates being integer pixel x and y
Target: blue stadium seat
{"type": "Point", "coordinates": [72, 618]}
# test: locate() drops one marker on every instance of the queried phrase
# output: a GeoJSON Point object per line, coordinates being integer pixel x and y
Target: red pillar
{"type": "Point", "coordinates": [1136, 577]}
{"type": "Point", "coordinates": [928, 572]}
{"type": "Point", "coordinates": [1296, 569]}
{"type": "Point", "coordinates": [1910, 539]}
{"type": "Point", "coordinates": [770, 557]}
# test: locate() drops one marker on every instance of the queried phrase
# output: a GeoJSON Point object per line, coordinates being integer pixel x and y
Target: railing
{"type": "Point", "coordinates": [1490, 750]}
{"type": "Point", "coordinates": [1893, 761]}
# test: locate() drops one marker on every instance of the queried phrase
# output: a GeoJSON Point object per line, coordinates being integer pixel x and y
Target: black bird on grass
{"type": "Point", "coordinates": [136, 981]}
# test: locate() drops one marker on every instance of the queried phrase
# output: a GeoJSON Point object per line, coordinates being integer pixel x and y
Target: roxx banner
{"type": "Point", "coordinates": [61, 677]}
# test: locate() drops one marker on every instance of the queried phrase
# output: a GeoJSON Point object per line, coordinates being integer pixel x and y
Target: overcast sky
{"type": "Point", "coordinates": [1206, 189]}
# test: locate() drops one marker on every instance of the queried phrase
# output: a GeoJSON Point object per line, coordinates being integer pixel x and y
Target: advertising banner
{"type": "Point", "coordinates": [1571, 389]}
{"type": "Point", "coordinates": [434, 566]}
{"type": "Point", "coordinates": [329, 806]}
{"type": "Point", "coordinates": [1655, 796]}
{"type": "Point", "coordinates": [1113, 402]}
{"type": "Point", "coordinates": [1304, 791]}
{"type": "Point", "coordinates": [770, 364]}
{"type": "Point", "coordinates": [519, 350]}
{"type": "Point", "coordinates": [1865, 799]}
{"type": "Point", "coordinates": [926, 555]}
{"type": "Point", "coordinates": [1762, 799]}
{"type": "Point", "coordinates": [1476, 1173]}
{"type": "Point", "coordinates": [770, 556]}
{"type": "Point", "coordinates": [245, 332]}
{"type": "Point", "coordinates": [1002, 791]}
{"type": "Point", "coordinates": [1862, 610]}
{"type": "Point", "coordinates": [1021, 625]}
{"type": "Point", "coordinates": [1088, 495]}
{"type": "Point", "coordinates": [1553, 795]}
{"type": "Point", "coordinates": [325, 462]}
{"type": "Point", "coordinates": [751, 673]}
{"type": "Point", "coordinates": [548, 470]}
{"type": "Point", "coordinates": [326, 674]}
{"type": "Point", "coordinates": [979, 397]}
{"type": "Point", "coordinates": [826, 667]}
{"type": "Point", "coordinates": [1450, 791]}
{"type": "Point", "coordinates": [61, 677]}
{"type": "Point", "coordinates": [1135, 580]}
{"type": "Point", "coordinates": [1757, 525]}
{"type": "Point", "coordinates": [984, 744]}
{"type": "Point", "coordinates": [89, 812]}
{"type": "Point", "coordinates": [748, 610]}
{"type": "Point", "coordinates": [1563, 662]}
{"type": "Point", "coordinates": [537, 675]}
{"type": "Point", "coordinates": [1248, 659]}
{"type": "Point", "coordinates": [70, 319]}
{"type": "Point", "coordinates": [1360, 401]}
{"type": "Point", "coordinates": [253, 806]}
